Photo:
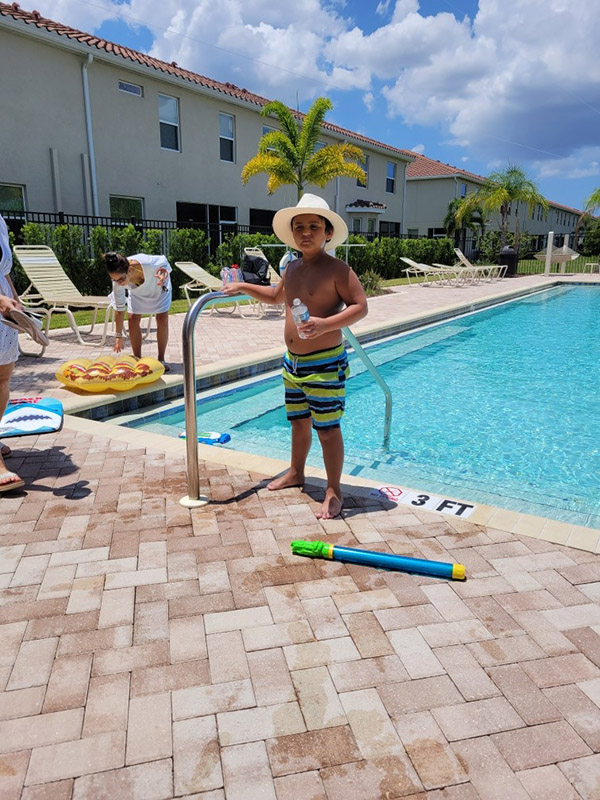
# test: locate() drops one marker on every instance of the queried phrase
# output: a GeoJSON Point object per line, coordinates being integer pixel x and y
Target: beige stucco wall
{"type": "Point", "coordinates": [41, 102]}
{"type": "Point", "coordinates": [427, 202]}
{"type": "Point", "coordinates": [44, 98]}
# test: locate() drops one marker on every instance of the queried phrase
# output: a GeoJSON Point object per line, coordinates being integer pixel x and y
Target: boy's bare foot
{"type": "Point", "coordinates": [288, 480]}
{"type": "Point", "coordinates": [332, 505]}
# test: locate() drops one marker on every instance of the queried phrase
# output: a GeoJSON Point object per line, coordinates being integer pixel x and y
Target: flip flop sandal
{"type": "Point", "coordinates": [27, 322]}
{"type": "Point", "coordinates": [14, 483]}
{"type": "Point", "coordinates": [5, 451]}
{"type": "Point", "coordinates": [166, 366]}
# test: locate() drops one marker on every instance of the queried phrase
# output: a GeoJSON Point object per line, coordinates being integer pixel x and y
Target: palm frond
{"type": "Point", "coordinates": [269, 163]}
{"type": "Point", "coordinates": [311, 126]}
{"type": "Point", "coordinates": [286, 118]}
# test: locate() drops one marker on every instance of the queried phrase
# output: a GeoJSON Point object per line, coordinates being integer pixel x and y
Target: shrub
{"type": "Point", "coordinates": [371, 283]}
{"type": "Point", "coordinates": [153, 243]}
{"type": "Point", "coordinates": [36, 233]}
{"type": "Point", "coordinates": [126, 240]}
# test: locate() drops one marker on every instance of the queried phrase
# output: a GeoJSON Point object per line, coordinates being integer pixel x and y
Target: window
{"type": "Point", "coordinates": [390, 178]}
{"type": "Point", "coordinates": [413, 233]}
{"type": "Point", "coordinates": [261, 218]}
{"type": "Point", "coordinates": [370, 225]}
{"type": "Point", "coordinates": [12, 197]}
{"type": "Point", "coordinates": [168, 116]}
{"type": "Point", "coordinates": [390, 229]}
{"type": "Point", "coordinates": [366, 169]}
{"type": "Point", "coordinates": [356, 225]}
{"type": "Point", "coordinates": [226, 138]}
{"type": "Point", "coordinates": [319, 146]}
{"type": "Point", "coordinates": [463, 190]}
{"type": "Point", "coordinates": [267, 129]}
{"type": "Point", "coordinates": [126, 207]}
{"type": "Point", "coordinates": [131, 88]}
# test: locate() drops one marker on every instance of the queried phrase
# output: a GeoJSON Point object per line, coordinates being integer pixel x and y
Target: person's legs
{"type": "Point", "coordinates": [135, 334]}
{"type": "Point", "coordinates": [332, 445]}
{"type": "Point", "coordinates": [6, 477]}
{"type": "Point", "coordinates": [162, 333]}
{"type": "Point", "coordinates": [301, 439]}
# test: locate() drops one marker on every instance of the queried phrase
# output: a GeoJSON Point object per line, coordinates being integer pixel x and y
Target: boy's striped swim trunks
{"type": "Point", "coordinates": [315, 386]}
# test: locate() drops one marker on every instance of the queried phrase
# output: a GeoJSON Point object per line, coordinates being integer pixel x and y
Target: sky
{"type": "Point", "coordinates": [476, 84]}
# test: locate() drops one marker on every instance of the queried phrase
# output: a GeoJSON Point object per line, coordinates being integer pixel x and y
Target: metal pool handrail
{"type": "Point", "coordinates": [375, 373]}
{"type": "Point", "coordinates": [194, 499]}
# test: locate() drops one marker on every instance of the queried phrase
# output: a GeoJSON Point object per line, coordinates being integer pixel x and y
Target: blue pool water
{"type": "Point", "coordinates": [500, 407]}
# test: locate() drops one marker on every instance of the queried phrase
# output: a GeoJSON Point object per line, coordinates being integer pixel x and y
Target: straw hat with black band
{"type": "Point", "coordinates": [309, 204]}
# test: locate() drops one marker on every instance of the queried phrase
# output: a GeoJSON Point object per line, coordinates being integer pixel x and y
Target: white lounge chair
{"type": "Point", "coordinates": [489, 271]}
{"type": "Point", "coordinates": [430, 274]}
{"type": "Point", "coordinates": [50, 286]}
{"type": "Point", "coordinates": [202, 282]}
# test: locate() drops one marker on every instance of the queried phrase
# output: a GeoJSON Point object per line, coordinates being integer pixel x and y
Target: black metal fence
{"type": "Point", "coordinates": [215, 232]}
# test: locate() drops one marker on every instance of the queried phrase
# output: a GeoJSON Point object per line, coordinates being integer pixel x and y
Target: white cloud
{"type": "Point", "coordinates": [519, 82]}
{"type": "Point", "coordinates": [418, 148]}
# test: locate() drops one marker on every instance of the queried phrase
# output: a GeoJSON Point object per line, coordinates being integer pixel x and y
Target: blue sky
{"type": "Point", "coordinates": [473, 83]}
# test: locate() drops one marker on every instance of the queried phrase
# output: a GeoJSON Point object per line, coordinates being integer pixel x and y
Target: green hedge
{"type": "Point", "coordinates": [89, 274]}
{"type": "Point", "coordinates": [381, 256]}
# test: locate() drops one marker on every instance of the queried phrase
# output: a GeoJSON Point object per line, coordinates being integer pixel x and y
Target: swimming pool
{"type": "Point", "coordinates": [499, 406]}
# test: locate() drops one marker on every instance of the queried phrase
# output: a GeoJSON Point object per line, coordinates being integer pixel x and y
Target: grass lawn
{"type": "Point", "coordinates": [85, 317]}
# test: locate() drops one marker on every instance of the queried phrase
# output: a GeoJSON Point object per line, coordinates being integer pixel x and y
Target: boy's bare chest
{"type": "Point", "coordinates": [311, 286]}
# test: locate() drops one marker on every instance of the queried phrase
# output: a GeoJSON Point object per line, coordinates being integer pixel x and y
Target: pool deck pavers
{"type": "Point", "coordinates": [149, 652]}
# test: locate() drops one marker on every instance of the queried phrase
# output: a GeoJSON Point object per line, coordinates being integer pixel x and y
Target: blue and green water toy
{"type": "Point", "coordinates": [371, 558]}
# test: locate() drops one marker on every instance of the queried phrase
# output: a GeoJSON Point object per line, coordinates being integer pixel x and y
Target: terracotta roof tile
{"type": "Point", "coordinates": [423, 167]}
{"type": "Point", "coordinates": [366, 204]}
{"type": "Point", "coordinates": [127, 53]}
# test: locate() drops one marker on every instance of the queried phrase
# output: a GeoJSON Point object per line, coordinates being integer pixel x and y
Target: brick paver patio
{"type": "Point", "coordinates": [149, 652]}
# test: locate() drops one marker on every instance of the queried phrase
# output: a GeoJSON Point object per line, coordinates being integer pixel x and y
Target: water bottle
{"type": "Point", "coordinates": [300, 314]}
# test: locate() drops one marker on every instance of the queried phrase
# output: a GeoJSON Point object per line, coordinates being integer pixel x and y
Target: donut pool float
{"type": "Point", "coordinates": [109, 373]}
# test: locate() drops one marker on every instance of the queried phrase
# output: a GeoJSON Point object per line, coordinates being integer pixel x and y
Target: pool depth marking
{"type": "Point", "coordinates": [428, 502]}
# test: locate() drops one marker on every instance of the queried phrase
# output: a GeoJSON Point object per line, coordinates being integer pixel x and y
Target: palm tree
{"type": "Point", "coordinates": [288, 155]}
{"type": "Point", "coordinates": [500, 189]}
{"type": "Point", "coordinates": [592, 204]}
{"type": "Point", "coordinates": [472, 219]}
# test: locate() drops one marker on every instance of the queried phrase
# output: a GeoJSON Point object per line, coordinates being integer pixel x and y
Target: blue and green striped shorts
{"type": "Point", "coordinates": [315, 386]}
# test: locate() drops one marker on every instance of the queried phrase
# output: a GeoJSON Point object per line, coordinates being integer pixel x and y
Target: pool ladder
{"type": "Point", "coordinates": [194, 499]}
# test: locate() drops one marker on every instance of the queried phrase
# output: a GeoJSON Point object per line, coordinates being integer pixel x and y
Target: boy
{"type": "Point", "coordinates": [315, 366]}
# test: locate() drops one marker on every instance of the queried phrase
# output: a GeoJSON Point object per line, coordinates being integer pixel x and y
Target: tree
{"type": "Point", "coordinates": [499, 191]}
{"type": "Point", "coordinates": [288, 156]}
{"type": "Point", "coordinates": [471, 220]}
{"type": "Point", "coordinates": [592, 204]}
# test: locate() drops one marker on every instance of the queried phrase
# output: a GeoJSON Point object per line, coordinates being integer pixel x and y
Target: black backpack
{"type": "Point", "coordinates": [256, 270]}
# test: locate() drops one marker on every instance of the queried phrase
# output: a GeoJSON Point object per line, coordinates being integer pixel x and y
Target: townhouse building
{"type": "Point", "coordinates": [91, 127]}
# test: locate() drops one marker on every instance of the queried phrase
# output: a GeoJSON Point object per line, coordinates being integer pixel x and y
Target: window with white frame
{"type": "Point", "coordinates": [123, 207]}
{"type": "Point", "coordinates": [319, 146]}
{"type": "Point", "coordinates": [268, 129]}
{"type": "Point", "coordinates": [463, 190]}
{"type": "Point", "coordinates": [356, 225]}
{"type": "Point", "coordinates": [226, 137]}
{"type": "Point", "coordinates": [12, 197]}
{"type": "Point", "coordinates": [168, 117]}
{"type": "Point", "coordinates": [390, 177]}
{"type": "Point", "coordinates": [370, 225]}
{"type": "Point", "coordinates": [131, 88]}
{"type": "Point", "coordinates": [365, 183]}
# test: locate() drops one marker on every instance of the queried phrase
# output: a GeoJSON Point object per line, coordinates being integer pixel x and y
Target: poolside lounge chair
{"type": "Point", "coordinates": [489, 271]}
{"type": "Point", "coordinates": [274, 278]}
{"type": "Point", "coordinates": [430, 274]}
{"type": "Point", "coordinates": [50, 286]}
{"type": "Point", "coordinates": [202, 282]}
